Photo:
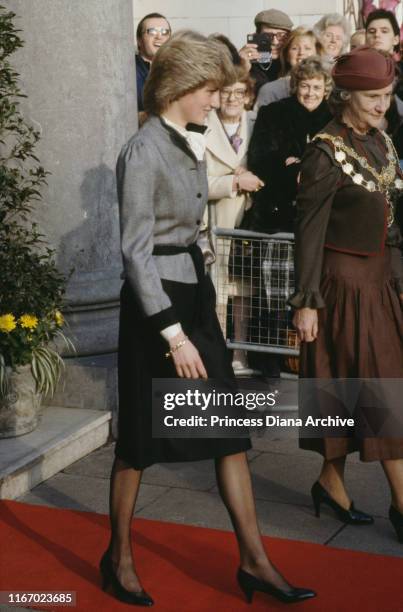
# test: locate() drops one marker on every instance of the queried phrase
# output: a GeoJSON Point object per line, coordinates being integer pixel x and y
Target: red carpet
{"type": "Point", "coordinates": [186, 569]}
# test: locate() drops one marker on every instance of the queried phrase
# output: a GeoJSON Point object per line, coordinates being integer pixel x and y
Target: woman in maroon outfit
{"type": "Point", "coordinates": [349, 270]}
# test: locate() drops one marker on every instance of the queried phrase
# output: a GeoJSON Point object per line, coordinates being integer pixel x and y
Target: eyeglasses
{"type": "Point", "coordinates": [305, 87]}
{"type": "Point", "coordinates": [155, 31]}
{"type": "Point", "coordinates": [238, 94]}
{"type": "Point", "coordinates": [279, 35]}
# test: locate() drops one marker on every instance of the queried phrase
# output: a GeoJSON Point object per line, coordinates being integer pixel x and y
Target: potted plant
{"type": "Point", "coordinates": [31, 287]}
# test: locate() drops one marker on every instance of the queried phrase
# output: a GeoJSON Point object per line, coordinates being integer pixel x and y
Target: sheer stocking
{"type": "Point", "coordinates": [393, 469]}
{"type": "Point", "coordinates": [235, 486]}
{"type": "Point", "coordinates": [125, 483]}
{"type": "Point", "coordinates": [332, 479]}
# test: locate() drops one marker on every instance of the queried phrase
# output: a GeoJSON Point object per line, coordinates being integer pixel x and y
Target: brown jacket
{"type": "Point", "coordinates": [334, 213]}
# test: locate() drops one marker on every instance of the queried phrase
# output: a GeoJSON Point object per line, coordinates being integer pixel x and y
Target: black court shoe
{"type": "Point", "coordinates": [140, 598]}
{"type": "Point", "coordinates": [249, 584]}
{"type": "Point", "coordinates": [396, 518]}
{"type": "Point", "coordinates": [352, 516]}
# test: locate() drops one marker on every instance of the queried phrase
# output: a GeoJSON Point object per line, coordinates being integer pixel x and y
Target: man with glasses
{"type": "Point", "coordinates": [279, 25]}
{"type": "Point", "coordinates": [152, 32]}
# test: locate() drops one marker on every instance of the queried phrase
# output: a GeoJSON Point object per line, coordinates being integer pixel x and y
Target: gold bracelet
{"type": "Point", "coordinates": [175, 348]}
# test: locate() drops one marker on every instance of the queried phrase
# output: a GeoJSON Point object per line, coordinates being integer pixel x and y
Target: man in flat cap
{"type": "Point", "coordinates": [279, 25]}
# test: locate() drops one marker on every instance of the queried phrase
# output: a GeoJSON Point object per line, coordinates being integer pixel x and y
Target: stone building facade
{"type": "Point", "coordinates": [234, 18]}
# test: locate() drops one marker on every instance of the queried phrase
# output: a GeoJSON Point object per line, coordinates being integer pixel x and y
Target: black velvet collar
{"type": "Point", "coordinates": [195, 127]}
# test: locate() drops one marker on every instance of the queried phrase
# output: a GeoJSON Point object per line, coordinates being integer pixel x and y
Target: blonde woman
{"type": "Point", "coordinates": [302, 43]}
{"type": "Point", "coordinates": [167, 306]}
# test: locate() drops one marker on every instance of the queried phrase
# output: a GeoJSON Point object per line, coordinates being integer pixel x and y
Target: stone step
{"type": "Point", "coordinates": [63, 436]}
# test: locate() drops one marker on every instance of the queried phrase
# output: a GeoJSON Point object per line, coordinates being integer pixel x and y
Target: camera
{"type": "Point", "coordinates": [263, 41]}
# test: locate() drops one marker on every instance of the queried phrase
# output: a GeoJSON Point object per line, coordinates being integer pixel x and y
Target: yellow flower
{"type": "Point", "coordinates": [59, 318]}
{"type": "Point", "coordinates": [7, 323]}
{"type": "Point", "coordinates": [28, 321]}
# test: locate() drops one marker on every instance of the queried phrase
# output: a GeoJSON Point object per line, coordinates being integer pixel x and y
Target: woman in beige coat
{"type": "Point", "coordinates": [230, 183]}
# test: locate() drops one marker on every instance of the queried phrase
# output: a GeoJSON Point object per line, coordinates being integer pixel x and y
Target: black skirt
{"type": "Point", "coordinates": [142, 358]}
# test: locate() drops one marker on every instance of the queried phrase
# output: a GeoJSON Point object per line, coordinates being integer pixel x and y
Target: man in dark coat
{"type": "Point", "coordinates": [152, 32]}
{"type": "Point", "coordinates": [279, 25]}
{"type": "Point", "coordinates": [382, 32]}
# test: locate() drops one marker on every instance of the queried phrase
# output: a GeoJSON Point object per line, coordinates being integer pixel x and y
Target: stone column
{"type": "Point", "coordinates": [77, 69]}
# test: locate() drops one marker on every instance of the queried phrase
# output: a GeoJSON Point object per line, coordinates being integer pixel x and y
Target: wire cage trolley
{"type": "Point", "coordinates": [254, 276]}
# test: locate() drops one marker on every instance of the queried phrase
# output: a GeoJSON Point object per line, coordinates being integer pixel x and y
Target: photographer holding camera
{"type": "Point", "coordinates": [261, 54]}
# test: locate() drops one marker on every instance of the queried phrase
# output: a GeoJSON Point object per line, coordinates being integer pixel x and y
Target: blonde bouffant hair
{"type": "Point", "coordinates": [183, 64]}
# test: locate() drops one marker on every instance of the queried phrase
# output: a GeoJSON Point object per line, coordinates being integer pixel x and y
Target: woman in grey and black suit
{"type": "Point", "coordinates": [167, 305]}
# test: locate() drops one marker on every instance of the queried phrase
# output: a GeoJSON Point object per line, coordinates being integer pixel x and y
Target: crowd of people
{"type": "Point", "coordinates": [319, 159]}
{"type": "Point", "coordinates": [284, 106]}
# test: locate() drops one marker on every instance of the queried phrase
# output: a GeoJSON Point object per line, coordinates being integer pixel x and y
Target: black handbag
{"type": "Point", "coordinates": [244, 257]}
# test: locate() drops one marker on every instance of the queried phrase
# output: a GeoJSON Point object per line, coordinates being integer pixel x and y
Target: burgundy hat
{"type": "Point", "coordinates": [362, 69]}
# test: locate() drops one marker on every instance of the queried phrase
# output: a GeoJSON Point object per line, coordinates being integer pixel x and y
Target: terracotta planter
{"type": "Point", "coordinates": [19, 410]}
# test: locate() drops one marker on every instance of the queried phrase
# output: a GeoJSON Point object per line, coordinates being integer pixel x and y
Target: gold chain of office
{"type": "Point", "coordinates": [386, 180]}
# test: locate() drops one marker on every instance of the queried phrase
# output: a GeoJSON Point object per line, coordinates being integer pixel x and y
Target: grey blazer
{"type": "Point", "coordinates": [162, 192]}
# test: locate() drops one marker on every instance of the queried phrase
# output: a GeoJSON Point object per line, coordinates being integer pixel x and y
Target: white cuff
{"type": "Point", "coordinates": [169, 332]}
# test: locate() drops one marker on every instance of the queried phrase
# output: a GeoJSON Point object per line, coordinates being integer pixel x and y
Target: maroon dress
{"type": "Point", "coordinates": [353, 275]}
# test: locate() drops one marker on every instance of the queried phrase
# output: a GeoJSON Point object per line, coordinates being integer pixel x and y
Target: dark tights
{"type": "Point", "coordinates": [235, 486]}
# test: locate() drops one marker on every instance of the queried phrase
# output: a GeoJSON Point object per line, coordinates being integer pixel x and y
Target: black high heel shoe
{"type": "Point", "coordinates": [140, 598]}
{"type": "Point", "coordinates": [396, 518]}
{"type": "Point", "coordinates": [249, 584]}
{"type": "Point", "coordinates": [352, 516]}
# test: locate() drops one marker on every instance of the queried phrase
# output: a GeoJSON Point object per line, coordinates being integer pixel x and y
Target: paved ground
{"type": "Point", "coordinates": [282, 475]}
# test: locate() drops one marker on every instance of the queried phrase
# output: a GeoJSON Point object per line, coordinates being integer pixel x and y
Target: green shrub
{"type": "Point", "coordinates": [31, 287]}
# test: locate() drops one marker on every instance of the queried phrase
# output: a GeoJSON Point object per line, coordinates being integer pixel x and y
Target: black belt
{"type": "Point", "coordinates": [193, 250]}
{"type": "Point", "coordinates": [198, 262]}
